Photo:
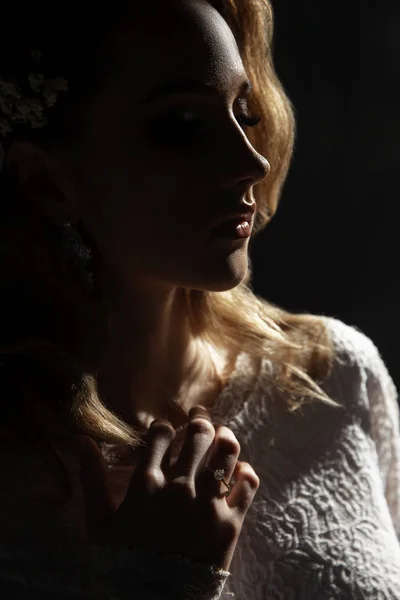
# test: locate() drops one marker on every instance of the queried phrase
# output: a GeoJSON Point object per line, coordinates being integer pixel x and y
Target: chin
{"type": "Point", "coordinates": [210, 273]}
{"type": "Point", "coordinates": [221, 282]}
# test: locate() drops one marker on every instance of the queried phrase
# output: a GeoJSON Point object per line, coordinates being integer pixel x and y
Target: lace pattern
{"type": "Point", "coordinates": [325, 521]}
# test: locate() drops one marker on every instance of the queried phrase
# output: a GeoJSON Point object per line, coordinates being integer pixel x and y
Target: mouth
{"type": "Point", "coordinates": [234, 229]}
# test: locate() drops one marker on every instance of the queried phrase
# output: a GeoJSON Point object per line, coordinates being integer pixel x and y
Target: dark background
{"type": "Point", "coordinates": [332, 247]}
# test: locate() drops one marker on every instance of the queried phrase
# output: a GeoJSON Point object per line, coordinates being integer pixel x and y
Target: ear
{"type": "Point", "coordinates": [44, 179]}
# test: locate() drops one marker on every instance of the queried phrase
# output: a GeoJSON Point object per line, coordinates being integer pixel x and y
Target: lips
{"type": "Point", "coordinates": [237, 218]}
{"type": "Point", "coordinates": [233, 229]}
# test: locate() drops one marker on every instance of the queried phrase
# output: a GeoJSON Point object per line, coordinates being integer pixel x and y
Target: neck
{"type": "Point", "coordinates": [152, 364]}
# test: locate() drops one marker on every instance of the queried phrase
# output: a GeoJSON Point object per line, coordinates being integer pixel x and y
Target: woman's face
{"type": "Point", "coordinates": [159, 167]}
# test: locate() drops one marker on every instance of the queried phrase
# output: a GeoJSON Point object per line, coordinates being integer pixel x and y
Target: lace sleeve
{"type": "Point", "coordinates": [143, 575]}
{"type": "Point", "coordinates": [380, 398]}
{"type": "Point", "coordinates": [385, 430]}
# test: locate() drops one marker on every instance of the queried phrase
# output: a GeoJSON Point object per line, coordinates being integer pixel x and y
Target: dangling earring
{"type": "Point", "coordinates": [79, 252]}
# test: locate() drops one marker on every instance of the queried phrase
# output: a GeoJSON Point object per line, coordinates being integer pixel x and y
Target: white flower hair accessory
{"type": "Point", "coordinates": [18, 107]}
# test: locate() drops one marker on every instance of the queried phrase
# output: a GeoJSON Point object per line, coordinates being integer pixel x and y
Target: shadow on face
{"type": "Point", "coordinates": [165, 154]}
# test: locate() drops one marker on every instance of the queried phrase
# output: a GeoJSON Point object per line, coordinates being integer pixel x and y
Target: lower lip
{"type": "Point", "coordinates": [233, 230]}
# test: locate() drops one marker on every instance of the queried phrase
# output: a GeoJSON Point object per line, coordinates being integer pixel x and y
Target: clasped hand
{"type": "Point", "coordinates": [181, 508]}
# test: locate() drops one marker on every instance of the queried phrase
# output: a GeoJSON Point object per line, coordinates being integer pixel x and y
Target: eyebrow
{"type": "Point", "coordinates": [189, 85]}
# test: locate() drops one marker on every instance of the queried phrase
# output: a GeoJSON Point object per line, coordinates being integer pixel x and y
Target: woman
{"type": "Point", "coordinates": [173, 123]}
{"type": "Point", "coordinates": [175, 532]}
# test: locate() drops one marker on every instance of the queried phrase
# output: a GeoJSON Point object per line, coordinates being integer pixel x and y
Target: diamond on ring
{"type": "Point", "coordinates": [219, 476]}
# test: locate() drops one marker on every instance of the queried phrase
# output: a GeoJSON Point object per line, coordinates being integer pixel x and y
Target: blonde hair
{"type": "Point", "coordinates": [238, 319]}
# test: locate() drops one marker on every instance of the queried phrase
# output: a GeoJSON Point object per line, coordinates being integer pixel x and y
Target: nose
{"type": "Point", "coordinates": [244, 165]}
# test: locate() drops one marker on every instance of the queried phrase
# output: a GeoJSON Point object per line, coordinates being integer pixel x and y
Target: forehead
{"type": "Point", "coordinates": [177, 39]}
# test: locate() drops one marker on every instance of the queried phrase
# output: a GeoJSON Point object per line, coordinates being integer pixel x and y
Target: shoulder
{"type": "Point", "coordinates": [355, 352]}
{"type": "Point", "coordinates": [354, 358]}
{"type": "Point", "coordinates": [352, 346]}
{"type": "Point", "coordinates": [359, 366]}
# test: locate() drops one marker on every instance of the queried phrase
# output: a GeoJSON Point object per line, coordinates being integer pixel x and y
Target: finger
{"type": "Point", "coordinates": [221, 463]}
{"type": "Point", "coordinates": [156, 444]}
{"type": "Point", "coordinates": [199, 437]}
{"type": "Point", "coordinates": [245, 487]}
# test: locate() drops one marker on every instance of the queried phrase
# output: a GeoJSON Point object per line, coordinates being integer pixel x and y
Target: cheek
{"type": "Point", "coordinates": [167, 207]}
{"type": "Point", "coordinates": [176, 197]}
{"type": "Point", "coordinates": [149, 230]}
{"type": "Point", "coordinates": [150, 197]}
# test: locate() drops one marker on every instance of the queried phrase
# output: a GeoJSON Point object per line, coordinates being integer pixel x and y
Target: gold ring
{"type": "Point", "coordinates": [219, 476]}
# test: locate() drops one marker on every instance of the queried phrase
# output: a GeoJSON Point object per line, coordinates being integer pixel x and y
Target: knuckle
{"type": "Point", "coordinates": [199, 411]}
{"type": "Point", "coordinates": [151, 479]}
{"type": "Point", "coordinates": [161, 428]}
{"type": "Point", "coordinates": [200, 426]}
{"type": "Point", "coordinates": [229, 445]}
{"type": "Point", "coordinates": [182, 490]}
{"type": "Point", "coordinates": [250, 476]}
{"type": "Point", "coordinates": [254, 481]}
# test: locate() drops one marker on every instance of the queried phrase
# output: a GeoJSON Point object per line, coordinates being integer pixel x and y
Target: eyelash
{"type": "Point", "coordinates": [173, 129]}
{"type": "Point", "coordinates": [248, 121]}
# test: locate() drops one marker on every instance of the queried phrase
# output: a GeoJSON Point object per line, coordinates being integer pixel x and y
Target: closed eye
{"type": "Point", "coordinates": [247, 121]}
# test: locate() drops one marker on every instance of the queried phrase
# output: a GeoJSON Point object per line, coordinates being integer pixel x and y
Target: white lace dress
{"type": "Point", "coordinates": [325, 523]}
